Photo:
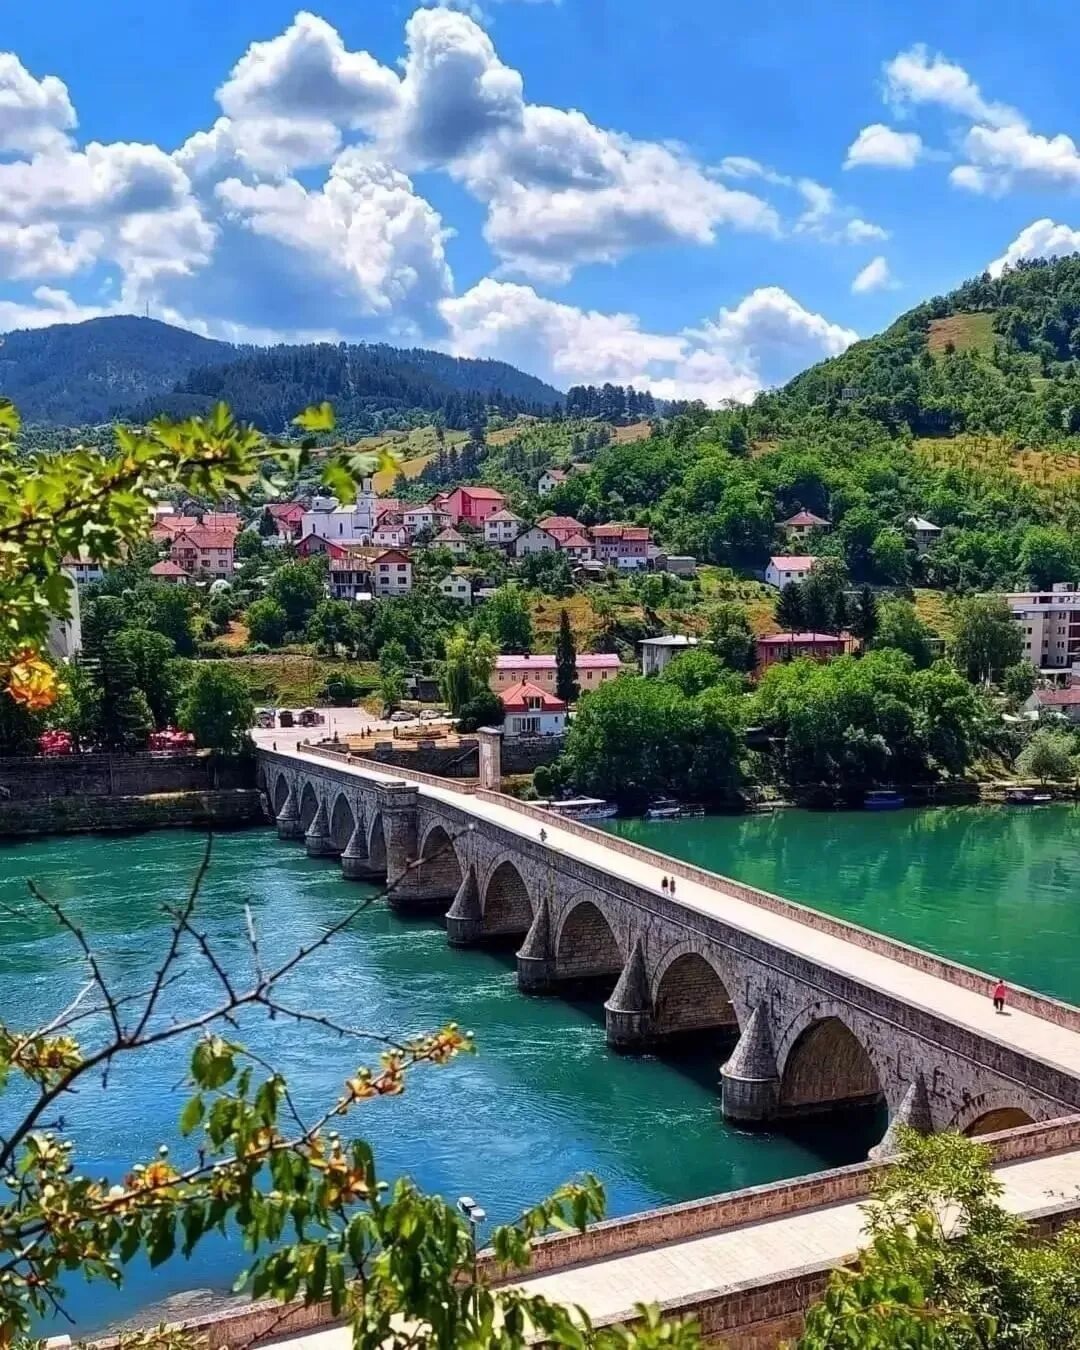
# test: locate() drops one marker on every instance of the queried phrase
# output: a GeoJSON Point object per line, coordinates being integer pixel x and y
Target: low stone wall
{"type": "Point", "coordinates": [36, 778]}
{"type": "Point", "coordinates": [520, 755]}
{"type": "Point", "coordinates": [1027, 1000]}
{"type": "Point", "coordinates": [221, 809]}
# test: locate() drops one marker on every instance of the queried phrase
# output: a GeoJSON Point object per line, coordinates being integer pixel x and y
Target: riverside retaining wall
{"type": "Point", "coordinates": [221, 808]}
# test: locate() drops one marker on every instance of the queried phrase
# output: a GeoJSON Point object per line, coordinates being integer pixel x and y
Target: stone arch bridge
{"type": "Point", "coordinates": [807, 1014]}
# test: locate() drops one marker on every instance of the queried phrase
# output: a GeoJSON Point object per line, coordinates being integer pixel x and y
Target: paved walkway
{"type": "Point", "coordinates": [759, 1252]}
{"type": "Point", "coordinates": [1033, 1036]}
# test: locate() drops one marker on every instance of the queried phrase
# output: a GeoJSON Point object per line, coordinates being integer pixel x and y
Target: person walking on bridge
{"type": "Point", "coordinates": [998, 996]}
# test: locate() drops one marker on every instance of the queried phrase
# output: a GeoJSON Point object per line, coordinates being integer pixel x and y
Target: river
{"type": "Point", "coordinates": [543, 1099]}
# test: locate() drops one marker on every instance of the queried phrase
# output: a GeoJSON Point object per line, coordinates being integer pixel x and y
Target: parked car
{"type": "Point", "coordinates": [266, 718]}
{"type": "Point", "coordinates": [310, 717]}
{"type": "Point", "coordinates": [285, 717]}
{"type": "Point", "coordinates": [431, 715]}
{"type": "Point", "coordinates": [402, 715]}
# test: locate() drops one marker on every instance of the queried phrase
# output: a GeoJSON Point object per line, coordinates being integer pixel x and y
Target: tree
{"type": "Point", "coordinates": [484, 709]}
{"type": "Point", "coordinates": [392, 689]}
{"type": "Point", "coordinates": [899, 626]}
{"type": "Point", "coordinates": [1019, 681]}
{"type": "Point", "coordinates": [863, 620]}
{"type": "Point", "coordinates": [889, 558]}
{"type": "Point", "coordinates": [151, 656]}
{"type": "Point", "coordinates": [730, 634]}
{"type": "Point", "coordinates": [946, 1266]}
{"type": "Point", "coordinates": [126, 719]}
{"type": "Point", "coordinates": [1050, 753]}
{"type": "Point", "coordinates": [466, 669]}
{"type": "Point", "coordinates": [266, 621]}
{"type": "Point", "coordinates": [790, 613]}
{"type": "Point", "coordinates": [169, 611]}
{"type": "Point", "coordinates": [566, 680]}
{"type": "Point", "coordinates": [506, 617]}
{"type": "Point", "coordinates": [331, 626]}
{"type": "Point", "coordinates": [78, 709]}
{"type": "Point", "coordinates": [823, 596]}
{"type": "Point", "coordinates": [1047, 554]}
{"type": "Point", "coordinates": [986, 638]}
{"type": "Point", "coordinates": [297, 587]}
{"type": "Point", "coordinates": [694, 670]}
{"type": "Point", "coordinates": [217, 708]}
{"type": "Point", "coordinates": [267, 524]}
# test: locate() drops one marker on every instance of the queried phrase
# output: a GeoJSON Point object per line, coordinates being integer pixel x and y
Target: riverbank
{"type": "Point", "coordinates": [218, 809]}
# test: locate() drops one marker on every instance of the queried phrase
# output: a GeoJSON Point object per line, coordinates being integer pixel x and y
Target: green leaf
{"type": "Point", "coordinates": [191, 1114]}
{"type": "Point", "coordinates": [320, 418]}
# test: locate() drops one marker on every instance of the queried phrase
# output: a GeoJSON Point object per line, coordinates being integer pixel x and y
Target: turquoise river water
{"type": "Point", "coordinates": [543, 1099]}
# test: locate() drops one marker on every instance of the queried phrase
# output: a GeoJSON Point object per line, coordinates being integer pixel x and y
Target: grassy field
{"type": "Point", "coordinates": [934, 609]}
{"type": "Point", "coordinates": [967, 332]}
{"type": "Point", "coordinates": [293, 680]}
{"type": "Point", "coordinates": [636, 431]}
{"type": "Point", "coordinates": [1051, 470]}
{"type": "Point", "coordinates": [416, 447]}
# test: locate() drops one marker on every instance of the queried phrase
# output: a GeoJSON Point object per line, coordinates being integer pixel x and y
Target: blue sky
{"type": "Point", "coordinates": [702, 198]}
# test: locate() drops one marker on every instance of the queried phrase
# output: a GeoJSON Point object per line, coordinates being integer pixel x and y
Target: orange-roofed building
{"type": "Point", "coordinates": [532, 711]}
{"type": "Point", "coordinates": [208, 551]}
{"type": "Point", "coordinates": [170, 573]}
{"type": "Point", "coordinates": [625, 546]}
{"type": "Point", "coordinates": [562, 527]}
{"type": "Point", "coordinates": [473, 505]}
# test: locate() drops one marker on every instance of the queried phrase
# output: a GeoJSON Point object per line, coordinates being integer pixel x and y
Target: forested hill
{"type": "Point", "coordinates": [997, 355]}
{"type": "Point", "coordinates": [364, 383]}
{"type": "Point", "coordinates": [134, 368]}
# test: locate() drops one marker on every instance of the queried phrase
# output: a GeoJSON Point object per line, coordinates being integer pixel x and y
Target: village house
{"type": "Point", "coordinates": [550, 479]}
{"type": "Point", "coordinates": [83, 571]}
{"type": "Point", "coordinates": [925, 531]}
{"type": "Point", "coordinates": [456, 586]}
{"type": "Point", "coordinates": [349, 574]}
{"type": "Point", "coordinates": [210, 552]}
{"type": "Point", "coordinates": [502, 527]}
{"type": "Point", "coordinates": [450, 539]}
{"type": "Point", "coordinates": [657, 652]}
{"type": "Point", "coordinates": [166, 528]}
{"type": "Point", "coordinates": [577, 548]}
{"type": "Point", "coordinates": [562, 527]}
{"type": "Point", "coordinates": [288, 518]}
{"type": "Point", "coordinates": [531, 711]}
{"type": "Point", "coordinates": [625, 546]}
{"type": "Point", "coordinates": [426, 517]}
{"type": "Point", "coordinates": [802, 525]}
{"type": "Point", "coordinates": [390, 531]}
{"type": "Point", "coordinates": [1049, 624]}
{"type": "Point", "coordinates": [1055, 703]}
{"type": "Point", "coordinates": [787, 646]}
{"type": "Point", "coordinates": [169, 573]}
{"type": "Point", "coordinates": [535, 540]}
{"type": "Point", "coordinates": [473, 505]}
{"type": "Point", "coordinates": [786, 568]}
{"type": "Point", "coordinates": [391, 571]}
{"type": "Point", "coordinates": [222, 520]}
{"type": "Point", "coordinates": [593, 669]}
{"type": "Point", "coordinates": [344, 524]}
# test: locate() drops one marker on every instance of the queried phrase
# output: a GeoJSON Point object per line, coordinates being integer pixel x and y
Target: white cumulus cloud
{"type": "Point", "coordinates": [34, 114]}
{"type": "Point", "coordinates": [1004, 156]}
{"type": "Point", "coordinates": [914, 76]}
{"type": "Point", "coordinates": [875, 276]}
{"type": "Point", "coordinates": [1041, 239]}
{"type": "Point", "coordinates": [884, 148]}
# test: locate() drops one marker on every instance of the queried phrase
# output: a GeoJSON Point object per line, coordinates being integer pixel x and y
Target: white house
{"type": "Point", "coordinates": [390, 532]}
{"type": "Point", "coordinates": [535, 540]}
{"type": "Point", "coordinates": [355, 524]}
{"type": "Point", "coordinates": [501, 527]}
{"type": "Point", "coordinates": [449, 538]}
{"type": "Point", "coordinates": [925, 531]}
{"type": "Point", "coordinates": [427, 516]}
{"type": "Point", "coordinates": [550, 479]}
{"type": "Point", "coordinates": [391, 573]}
{"type": "Point", "coordinates": [657, 652]}
{"type": "Point", "coordinates": [802, 525]}
{"type": "Point", "coordinates": [786, 568]}
{"type": "Point", "coordinates": [457, 587]}
{"type": "Point", "coordinates": [532, 711]}
{"type": "Point", "coordinates": [83, 571]}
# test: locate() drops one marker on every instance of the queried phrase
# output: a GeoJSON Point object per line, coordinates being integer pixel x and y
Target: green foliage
{"type": "Point", "coordinates": [947, 1268]}
{"type": "Point", "coordinates": [566, 680]}
{"type": "Point", "coordinates": [506, 617]}
{"type": "Point", "coordinates": [484, 709]}
{"type": "Point", "coordinates": [332, 626]}
{"type": "Point", "coordinates": [851, 724]}
{"type": "Point", "coordinates": [466, 669]}
{"type": "Point", "coordinates": [864, 618]}
{"type": "Point", "coordinates": [1049, 754]}
{"type": "Point", "coordinates": [267, 621]}
{"type": "Point", "coordinates": [1047, 554]}
{"type": "Point", "coordinates": [1019, 681]}
{"type": "Point", "coordinates": [217, 708]}
{"type": "Point", "coordinates": [297, 587]}
{"type": "Point", "coordinates": [986, 638]}
{"type": "Point", "coordinates": [638, 738]}
{"type": "Point", "coordinates": [693, 671]}
{"type": "Point", "coordinates": [790, 611]}
{"type": "Point", "coordinates": [731, 636]}
{"type": "Point", "coordinates": [154, 671]}
{"type": "Point", "coordinates": [899, 626]}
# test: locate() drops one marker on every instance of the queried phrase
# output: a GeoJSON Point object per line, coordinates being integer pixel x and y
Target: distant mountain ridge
{"type": "Point", "coordinates": [133, 368]}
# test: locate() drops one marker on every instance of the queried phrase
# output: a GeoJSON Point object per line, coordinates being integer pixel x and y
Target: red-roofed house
{"type": "Point", "coordinates": [550, 479]}
{"type": "Point", "coordinates": [501, 527]}
{"type": "Point", "coordinates": [786, 568]}
{"type": "Point", "coordinates": [577, 547]}
{"type": "Point", "coordinates": [221, 520]}
{"type": "Point", "coordinates": [391, 572]}
{"type": "Point", "coordinates": [593, 668]}
{"type": "Point", "coordinates": [449, 538]}
{"type": "Point", "coordinates": [390, 532]}
{"type": "Point", "coordinates": [802, 524]}
{"type": "Point", "coordinates": [202, 550]}
{"type": "Point", "coordinates": [624, 545]}
{"type": "Point", "coordinates": [167, 527]}
{"type": "Point", "coordinates": [170, 573]}
{"type": "Point", "coordinates": [1062, 702]}
{"type": "Point", "coordinates": [532, 711]}
{"type": "Point", "coordinates": [562, 527]}
{"type": "Point", "coordinates": [288, 517]}
{"type": "Point", "coordinates": [787, 646]}
{"type": "Point", "coordinates": [473, 505]}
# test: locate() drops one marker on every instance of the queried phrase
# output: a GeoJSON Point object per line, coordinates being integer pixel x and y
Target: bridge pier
{"type": "Point", "coordinates": [535, 961]}
{"type": "Point", "coordinates": [288, 818]}
{"type": "Point", "coordinates": [628, 1012]}
{"type": "Point", "coordinates": [914, 1112]}
{"type": "Point", "coordinates": [750, 1083]}
{"type": "Point", "coordinates": [356, 862]}
{"type": "Point", "coordinates": [408, 889]}
{"type": "Point", "coordinates": [464, 921]}
{"type": "Point", "coordinates": [318, 840]}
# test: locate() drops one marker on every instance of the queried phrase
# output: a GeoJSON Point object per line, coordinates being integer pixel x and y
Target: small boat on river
{"type": "Point", "coordinates": [670, 808]}
{"type": "Point", "coordinates": [584, 808]}
{"type": "Point", "coordinates": [883, 799]}
{"type": "Point", "coordinates": [1026, 796]}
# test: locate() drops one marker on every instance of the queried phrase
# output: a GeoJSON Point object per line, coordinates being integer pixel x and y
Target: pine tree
{"type": "Point", "coordinates": [267, 525]}
{"type": "Point", "coordinates": [126, 720]}
{"type": "Point", "coordinates": [864, 616]}
{"type": "Point", "coordinates": [789, 608]}
{"type": "Point", "coordinates": [566, 681]}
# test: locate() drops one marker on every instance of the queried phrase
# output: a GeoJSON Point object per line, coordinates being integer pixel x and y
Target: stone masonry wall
{"type": "Point", "coordinates": [37, 778]}
{"type": "Point", "coordinates": [222, 809]}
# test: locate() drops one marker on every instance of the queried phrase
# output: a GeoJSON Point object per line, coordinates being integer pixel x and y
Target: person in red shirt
{"type": "Point", "coordinates": [998, 996]}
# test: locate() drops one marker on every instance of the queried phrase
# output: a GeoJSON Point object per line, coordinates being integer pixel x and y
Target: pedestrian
{"type": "Point", "coordinates": [543, 835]}
{"type": "Point", "coordinates": [663, 884]}
{"type": "Point", "coordinates": [999, 996]}
{"type": "Point", "coordinates": [671, 886]}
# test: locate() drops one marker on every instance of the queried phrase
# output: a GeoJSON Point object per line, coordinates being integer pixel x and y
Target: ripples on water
{"type": "Point", "coordinates": [544, 1099]}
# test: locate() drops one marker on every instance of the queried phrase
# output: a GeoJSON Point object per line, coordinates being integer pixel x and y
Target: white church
{"type": "Point", "coordinates": [327, 518]}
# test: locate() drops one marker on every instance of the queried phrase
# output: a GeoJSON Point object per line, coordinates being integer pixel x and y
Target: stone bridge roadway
{"type": "Point", "coordinates": [807, 1013]}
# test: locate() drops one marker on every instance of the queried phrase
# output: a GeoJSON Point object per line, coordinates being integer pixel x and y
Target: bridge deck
{"type": "Point", "coordinates": [1033, 1036]}
{"type": "Point", "coordinates": [753, 1254]}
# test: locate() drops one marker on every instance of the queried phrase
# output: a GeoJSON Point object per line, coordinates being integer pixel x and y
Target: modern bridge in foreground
{"type": "Point", "coordinates": [808, 1014]}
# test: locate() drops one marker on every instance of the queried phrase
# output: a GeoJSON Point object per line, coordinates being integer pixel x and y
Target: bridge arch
{"type": "Point", "coordinates": [309, 804]}
{"type": "Point", "coordinates": [507, 905]}
{"type": "Point", "coordinates": [440, 869]}
{"type": "Point", "coordinates": [376, 845]}
{"type": "Point", "coordinates": [989, 1112]}
{"type": "Point", "coordinates": [826, 1067]}
{"type": "Point", "coordinates": [586, 946]}
{"type": "Point", "coordinates": [690, 993]}
{"type": "Point", "coordinates": [281, 791]}
{"type": "Point", "coordinates": [342, 823]}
